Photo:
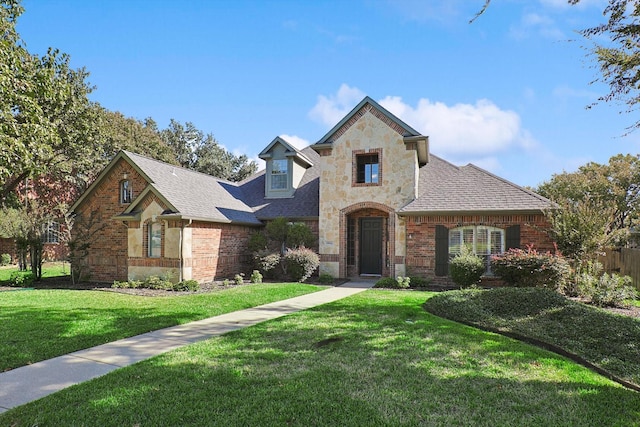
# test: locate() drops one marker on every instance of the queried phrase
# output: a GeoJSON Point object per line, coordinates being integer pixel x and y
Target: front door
{"type": "Point", "coordinates": [371, 246]}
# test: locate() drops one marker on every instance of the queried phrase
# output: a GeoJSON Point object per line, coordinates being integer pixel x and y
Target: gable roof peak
{"type": "Point", "coordinates": [367, 104]}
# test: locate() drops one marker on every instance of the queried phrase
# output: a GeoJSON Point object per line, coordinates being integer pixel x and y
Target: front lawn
{"type": "Point", "coordinates": [49, 269]}
{"type": "Point", "coordinates": [374, 359]}
{"type": "Point", "coordinates": [607, 340]}
{"type": "Point", "coordinates": [40, 324]}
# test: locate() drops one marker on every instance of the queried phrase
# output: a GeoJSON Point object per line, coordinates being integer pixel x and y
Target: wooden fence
{"type": "Point", "coordinates": [622, 261]}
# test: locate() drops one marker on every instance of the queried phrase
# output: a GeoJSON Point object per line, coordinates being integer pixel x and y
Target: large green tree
{"type": "Point", "coordinates": [45, 115]}
{"type": "Point", "coordinates": [600, 204]}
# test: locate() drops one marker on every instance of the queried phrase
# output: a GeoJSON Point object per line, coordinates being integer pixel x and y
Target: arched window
{"type": "Point", "coordinates": [482, 240]}
{"type": "Point", "coordinates": [154, 240]}
{"type": "Point", "coordinates": [126, 191]}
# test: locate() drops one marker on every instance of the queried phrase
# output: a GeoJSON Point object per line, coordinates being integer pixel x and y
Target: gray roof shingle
{"type": "Point", "coordinates": [304, 203]}
{"type": "Point", "coordinates": [194, 194]}
{"type": "Point", "coordinates": [445, 188]}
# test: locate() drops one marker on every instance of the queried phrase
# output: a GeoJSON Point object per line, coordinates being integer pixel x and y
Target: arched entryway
{"type": "Point", "coordinates": [367, 240]}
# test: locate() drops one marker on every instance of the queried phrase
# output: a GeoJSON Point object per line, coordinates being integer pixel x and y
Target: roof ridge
{"type": "Point", "coordinates": [165, 164]}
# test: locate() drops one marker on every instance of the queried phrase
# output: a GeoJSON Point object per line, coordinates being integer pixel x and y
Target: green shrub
{"type": "Point", "coordinates": [226, 282]}
{"type": "Point", "coordinates": [301, 263]}
{"type": "Point", "coordinates": [466, 268]}
{"type": "Point", "coordinates": [419, 282]}
{"type": "Point", "coordinates": [386, 282]}
{"type": "Point", "coordinates": [530, 268]}
{"type": "Point", "coordinates": [156, 282]}
{"type": "Point", "coordinates": [403, 282]}
{"type": "Point", "coordinates": [267, 261]}
{"type": "Point", "coordinates": [186, 286]}
{"type": "Point", "coordinates": [21, 279]}
{"type": "Point", "coordinates": [239, 279]}
{"type": "Point", "coordinates": [5, 259]}
{"type": "Point", "coordinates": [325, 279]}
{"type": "Point", "coordinates": [256, 277]}
{"type": "Point", "coordinates": [610, 290]}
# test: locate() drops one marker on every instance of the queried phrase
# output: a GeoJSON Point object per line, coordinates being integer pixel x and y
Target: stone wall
{"type": "Point", "coordinates": [367, 132]}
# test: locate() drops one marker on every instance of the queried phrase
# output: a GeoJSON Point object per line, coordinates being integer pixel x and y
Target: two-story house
{"type": "Point", "coordinates": [380, 203]}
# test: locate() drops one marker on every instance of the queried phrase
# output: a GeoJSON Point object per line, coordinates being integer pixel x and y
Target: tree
{"type": "Point", "coordinates": [195, 150]}
{"type": "Point", "coordinates": [599, 204]}
{"type": "Point", "coordinates": [45, 116]}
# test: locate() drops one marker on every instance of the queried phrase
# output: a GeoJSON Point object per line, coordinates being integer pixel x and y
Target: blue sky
{"type": "Point", "coordinates": [507, 92]}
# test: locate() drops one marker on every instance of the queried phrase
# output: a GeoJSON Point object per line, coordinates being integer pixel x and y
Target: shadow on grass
{"type": "Point", "coordinates": [381, 363]}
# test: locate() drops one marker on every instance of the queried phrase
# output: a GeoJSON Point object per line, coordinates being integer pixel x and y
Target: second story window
{"type": "Point", "coordinates": [126, 192]}
{"type": "Point", "coordinates": [279, 174]}
{"type": "Point", "coordinates": [368, 169]}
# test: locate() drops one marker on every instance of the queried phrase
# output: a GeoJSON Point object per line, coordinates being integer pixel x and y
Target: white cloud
{"type": "Point", "coordinates": [330, 110]}
{"type": "Point", "coordinates": [463, 129]}
{"type": "Point", "coordinates": [536, 23]}
{"type": "Point", "coordinates": [583, 4]}
{"type": "Point", "coordinates": [296, 141]}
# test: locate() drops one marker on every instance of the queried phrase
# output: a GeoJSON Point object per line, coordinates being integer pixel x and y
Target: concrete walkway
{"type": "Point", "coordinates": [28, 383]}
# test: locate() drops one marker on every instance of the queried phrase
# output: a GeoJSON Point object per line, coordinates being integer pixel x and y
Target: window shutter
{"type": "Point", "coordinates": [442, 250]}
{"type": "Point", "coordinates": [513, 237]}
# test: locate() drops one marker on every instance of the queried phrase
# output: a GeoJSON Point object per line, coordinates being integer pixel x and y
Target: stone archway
{"type": "Point", "coordinates": [350, 254]}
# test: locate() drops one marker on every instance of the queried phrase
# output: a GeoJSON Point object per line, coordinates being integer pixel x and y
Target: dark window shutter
{"type": "Point", "coordinates": [513, 237]}
{"type": "Point", "coordinates": [442, 250]}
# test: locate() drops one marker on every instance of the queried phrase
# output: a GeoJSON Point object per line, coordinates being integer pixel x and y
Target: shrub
{"type": "Point", "coordinates": [610, 290]}
{"type": "Point", "coordinates": [156, 282]}
{"type": "Point", "coordinates": [256, 277]}
{"type": "Point", "coordinates": [5, 259]}
{"type": "Point", "coordinates": [226, 282]}
{"type": "Point", "coordinates": [419, 282]}
{"type": "Point", "coordinates": [239, 279]}
{"type": "Point", "coordinates": [386, 282]}
{"type": "Point", "coordinates": [21, 278]}
{"type": "Point", "coordinates": [466, 268]}
{"type": "Point", "coordinates": [267, 261]}
{"type": "Point", "coordinates": [584, 277]}
{"type": "Point", "coordinates": [403, 282]}
{"type": "Point", "coordinates": [519, 267]}
{"type": "Point", "coordinates": [301, 263]}
{"type": "Point", "coordinates": [325, 279]}
{"type": "Point", "coordinates": [186, 286]}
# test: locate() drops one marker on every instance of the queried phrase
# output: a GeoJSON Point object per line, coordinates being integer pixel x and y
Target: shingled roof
{"type": "Point", "coordinates": [446, 188]}
{"type": "Point", "coordinates": [304, 204]}
{"type": "Point", "coordinates": [193, 194]}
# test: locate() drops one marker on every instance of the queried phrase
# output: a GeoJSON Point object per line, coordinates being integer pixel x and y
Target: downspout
{"type": "Point", "coordinates": [181, 244]}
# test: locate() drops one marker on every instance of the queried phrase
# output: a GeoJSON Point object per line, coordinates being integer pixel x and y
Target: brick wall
{"type": "Point", "coordinates": [219, 250]}
{"type": "Point", "coordinates": [420, 259]}
{"type": "Point", "coordinates": [107, 260]}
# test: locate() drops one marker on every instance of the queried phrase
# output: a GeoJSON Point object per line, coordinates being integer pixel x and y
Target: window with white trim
{"type": "Point", "coordinates": [155, 240]}
{"type": "Point", "coordinates": [279, 174]}
{"type": "Point", "coordinates": [126, 192]}
{"type": "Point", "coordinates": [483, 241]}
{"type": "Point", "coordinates": [51, 232]}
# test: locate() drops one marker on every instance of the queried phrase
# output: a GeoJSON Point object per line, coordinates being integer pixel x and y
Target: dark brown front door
{"type": "Point", "coordinates": [370, 245]}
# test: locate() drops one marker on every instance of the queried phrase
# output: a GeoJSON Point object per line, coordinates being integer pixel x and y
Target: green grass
{"type": "Point", "coordinates": [375, 359]}
{"type": "Point", "coordinates": [49, 269]}
{"type": "Point", "coordinates": [607, 340]}
{"type": "Point", "coordinates": [40, 324]}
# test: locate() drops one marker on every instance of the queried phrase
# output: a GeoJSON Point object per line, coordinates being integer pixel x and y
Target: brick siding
{"type": "Point", "coordinates": [420, 260]}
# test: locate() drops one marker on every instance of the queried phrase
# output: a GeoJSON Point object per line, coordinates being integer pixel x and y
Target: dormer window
{"type": "Point", "coordinates": [279, 174]}
{"type": "Point", "coordinates": [126, 192]}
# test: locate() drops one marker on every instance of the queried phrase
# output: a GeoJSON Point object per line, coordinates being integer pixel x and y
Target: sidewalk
{"type": "Point", "coordinates": [28, 383]}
